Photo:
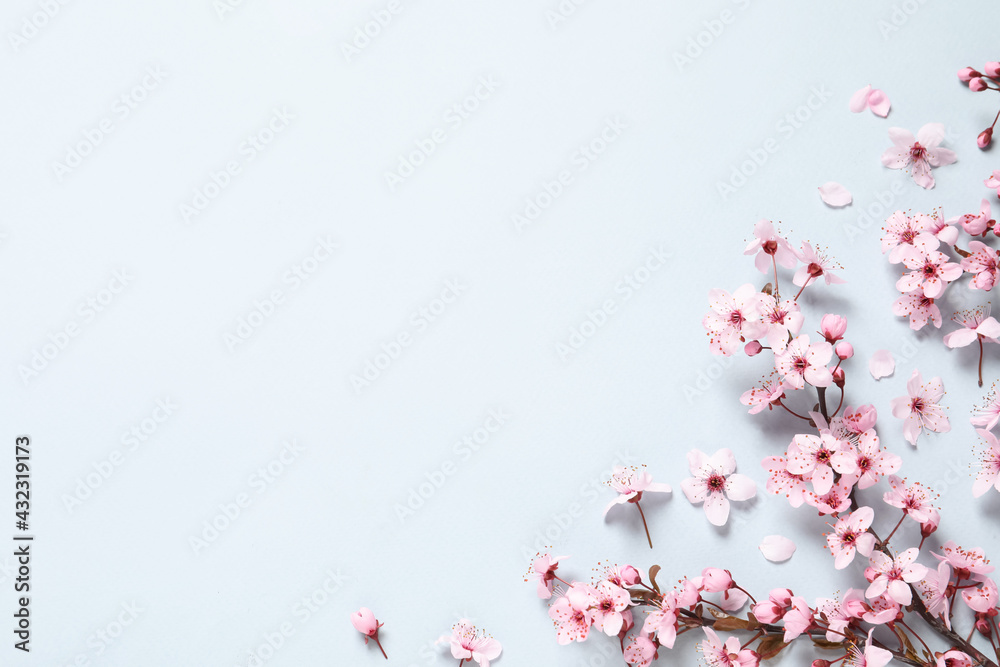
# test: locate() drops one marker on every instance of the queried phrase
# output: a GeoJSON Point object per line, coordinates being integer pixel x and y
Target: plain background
{"type": "Point", "coordinates": [683, 127]}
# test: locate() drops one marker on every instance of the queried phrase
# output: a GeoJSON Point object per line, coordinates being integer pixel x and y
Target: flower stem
{"type": "Point", "coordinates": [648, 538]}
{"type": "Point", "coordinates": [379, 644]}
{"type": "Point", "coordinates": [774, 262]}
{"type": "Point", "coordinates": [821, 393]}
{"type": "Point", "coordinates": [841, 403]}
{"type": "Point", "coordinates": [894, 529]}
{"type": "Point", "coordinates": [980, 339]}
{"type": "Point", "coordinates": [793, 411]}
{"type": "Point", "coordinates": [802, 290]}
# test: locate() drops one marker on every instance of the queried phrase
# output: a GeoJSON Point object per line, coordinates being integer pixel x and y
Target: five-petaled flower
{"type": "Point", "coordinates": [930, 272]}
{"type": "Point", "coordinates": [468, 643]}
{"type": "Point", "coordinates": [803, 362]}
{"type": "Point", "coordinates": [918, 154]}
{"type": "Point", "coordinates": [715, 482]}
{"type": "Point", "coordinates": [920, 409]}
{"type": "Point", "coordinates": [850, 536]}
{"type": "Point", "coordinates": [892, 575]}
{"type": "Point", "coordinates": [735, 318]}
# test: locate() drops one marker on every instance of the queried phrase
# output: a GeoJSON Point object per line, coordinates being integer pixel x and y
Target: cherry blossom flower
{"type": "Point", "coordinates": [989, 471]}
{"type": "Point", "coordinates": [994, 181]}
{"type": "Point", "coordinates": [662, 621]}
{"type": "Point", "coordinates": [935, 593]}
{"type": "Point", "coordinates": [770, 248]}
{"type": "Point", "coordinates": [839, 614]}
{"type": "Point", "coordinates": [719, 653]}
{"type": "Point", "coordinates": [544, 569]}
{"type": "Point", "coordinates": [920, 408]}
{"type": "Point", "coordinates": [918, 154]}
{"type": "Point", "coordinates": [965, 563]}
{"type": "Point", "coordinates": [641, 652]}
{"type": "Point", "coordinates": [468, 643]}
{"type": "Point", "coordinates": [976, 224]}
{"type": "Point", "coordinates": [783, 319]}
{"type": "Point", "coordinates": [914, 500]}
{"type": "Point", "coordinates": [881, 609]}
{"type": "Point", "coordinates": [983, 263]}
{"type": "Point", "coordinates": [893, 574]}
{"type": "Point", "coordinates": [802, 362]}
{"type": "Point", "coordinates": [982, 599]}
{"type": "Point", "coordinates": [859, 421]}
{"type": "Point", "coordinates": [919, 308]}
{"type": "Point", "coordinates": [572, 615]}
{"type": "Point", "coordinates": [872, 656]}
{"type": "Point", "coordinates": [975, 323]}
{"type": "Point", "coordinates": [715, 580]}
{"type": "Point", "coordinates": [832, 327]}
{"type": "Point", "coordinates": [734, 318]}
{"type": "Point", "coordinates": [609, 603]}
{"type": "Point", "coordinates": [781, 481]}
{"type": "Point", "coordinates": [765, 395]}
{"type": "Point", "coordinates": [850, 535]}
{"type": "Point", "coordinates": [988, 414]}
{"type": "Point", "coordinates": [816, 458]}
{"type": "Point", "coordinates": [715, 483]}
{"type": "Point", "coordinates": [631, 483]}
{"type": "Point", "coordinates": [364, 621]}
{"type": "Point", "coordinates": [622, 576]}
{"type": "Point", "coordinates": [733, 599]}
{"type": "Point", "coordinates": [815, 266]}
{"type": "Point", "coordinates": [944, 230]}
{"type": "Point", "coordinates": [773, 609]}
{"type": "Point", "coordinates": [834, 501]}
{"type": "Point", "coordinates": [954, 658]}
{"type": "Point", "coordinates": [798, 619]}
{"type": "Point", "coordinates": [866, 98]}
{"type": "Point", "coordinates": [902, 232]}
{"type": "Point", "coordinates": [930, 272]}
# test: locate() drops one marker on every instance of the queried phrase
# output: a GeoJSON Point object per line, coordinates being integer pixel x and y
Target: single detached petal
{"type": "Point", "coordinates": [859, 100]}
{"type": "Point", "coordinates": [777, 548]}
{"type": "Point", "coordinates": [835, 194]}
{"type": "Point", "coordinates": [882, 364]}
{"type": "Point", "coordinates": [878, 102]}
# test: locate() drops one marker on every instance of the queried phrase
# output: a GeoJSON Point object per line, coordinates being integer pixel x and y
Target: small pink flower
{"type": "Point", "coordinates": [839, 614]}
{"type": "Point", "coordinates": [715, 482]}
{"type": "Point", "coordinates": [982, 599]}
{"type": "Point", "coordinates": [364, 621]}
{"type": "Point", "coordinates": [609, 603]}
{"type": "Point", "coordinates": [817, 457]}
{"type": "Point", "coordinates": [874, 462]}
{"type": "Point", "coordinates": [914, 500]}
{"type": "Point", "coordinates": [815, 266]}
{"type": "Point", "coordinates": [881, 610]}
{"type": "Point", "coordinates": [944, 230]}
{"type": "Point", "coordinates": [622, 576]}
{"type": "Point", "coordinates": [919, 308]}
{"type": "Point", "coordinates": [798, 619]}
{"type": "Point", "coordinates": [859, 420]}
{"type": "Point", "coordinates": [976, 323]}
{"type": "Point", "coordinates": [872, 656]}
{"type": "Point", "coordinates": [833, 327]}
{"type": "Point", "coordinates": [544, 569]}
{"type": "Point", "coordinates": [834, 501]}
{"type": "Point", "coordinates": [993, 181]}
{"type": "Point", "coordinates": [988, 476]}
{"type": "Point", "coordinates": [920, 408]}
{"type": "Point", "coordinates": [641, 652]}
{"type": "Point", "coordinates": [735, 318]}
{"type": "Point", "coordinates": [781, 481]}
{"type": "Point", "coordinates": [983, 264]}
{"type": "Point", "coordinates": [976, 224]}
{"type": "Point", "coordinates": [719, 653]}
{"type": "Point", "coordinates": [770, 248]}
{"type": "Point", "coordinates": [954, 658]}
{"type": "Point", "coordinates": [662, 621]}
{"type": "Point", "coordinates": [902, 231]}
{"type": "Point", "coordinates": [893, 574]}
{"type": "Point", "coordinates": [918, 153]}
{"type": "Point", "coordinates": [631, 483]}
{"type": "Point", "coordinates": [802, 362]}
{"type": "Point", "coordinates": [468, 643]}
{"type": "Point", "coordinates": [988, 414]}
{"type": "Point", "coordinates": [965, 563]}
{"type": "Point", "coordinates": [782, 319]}
{"type": "Point", "coordinates": [935, 592]}
{"type": "Point", "coordinates": [850, 535]}
{"type": "Point", "coordinates": [572, 615]}
{"type": "Point", "coordinates": [930, 272]}
{"type": "Point", "coordinates": [765, 395]}
{"type": "Point", "coordinates": [778, 602]}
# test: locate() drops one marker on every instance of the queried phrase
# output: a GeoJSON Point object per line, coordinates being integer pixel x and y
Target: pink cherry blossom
{"type": "Point", "coordinates": [965, 563]}
{"type": "Point", "coordinates": [544, 569]}
{"type": "Point", "coordinates": [715, 483]}
{"type": "Point", "coordinates": [715, 580]}
{"type": "Point", "coordinates": [733, 600]}
{"type": "Point", "coordinates": [641, 652]}
{"type": "Point", "coordinates": [468, 643]}
{"type": "Point", "coordinates": [919, 308]}
{"type": "Point", "coordinates": [572, 615]}
{"type": "Point", "coordinates": [859, 420]}
{"type": "Point", "coordinates": [839, 614]}
{"type": "Point", "coordinates": [662, 621]}
{"type": "Point", "coordinates": [872, 656]}
{"type": "Point", "coordinates": [609, 601]}
{"type": "Point", "coordinates": [918, 154]}
{"type": "Point", "coordinates": [982, 263]}
{"type": "Point", "coordinates": [817, 457]}
{"type": "Point", "coordinates": [765, 395]}
{"type": "Point", "coordinates": [834, 501]}
{"type": "Point", "coordinates": [622, 576]}
{"type": "Point", "coordinates": [816, 265]}
{"type": "Point", "coordinates": [770, 248]}
{"type": "Point", "coordinates": [867, 98]}
{"type": "Point", "coordinates": [976, 324]}
{"type": "Point", "coordinates": [631, 483]}
{"type": "Point", "coordinates": [832, 327]}
{"type": "Point", "coordinates": [881, 609]}
{"type": "Point", "coordinates": [364, 621]}
{"type": "Point", "coordinates": [913, 499]}
{"type": "Point", "coordinates": [930, 272]}
{"type": "Point", "coordinates": [850, 536]}
{"type": "Point", "coordinates": [803, 362]}
{"type": "Point", "coordinates": [920, 408]}
{"type": "Point", "coordinates": [773, 609]}
{"type": "Point", "coordinates": [976, 223]}
{"type": "Point", "coordinates": [782, 319]}
{"type": "Point", "coordinates": [902, 231]}
{"type": "Point", "coordinates": [781, 481]}
{"type": "Point", "coordinates": [935, 593]}
{"type": "Point", "coordinates": [982, 599]}
{"type": "Point", "coordinates": [954, 658]}
{"type": "Point", "coordinates": [994, 181]}
{"type": "Point", "coordinates": [798, 619]}
{"type": "Point", "coordinates": [893, 574]}
{"type": "Point", "coordinates": [873, 462]}
{"type": "Point", "coordinates": [989, 465]}
{"type": "Point", "coordinates": [988, 414]}
{"type": "Point", "coordinates": [734, 319]}
{"type": "Point", "coordinates": [725, 653]}
{"type": "Point", "coordinates": [944, 230]}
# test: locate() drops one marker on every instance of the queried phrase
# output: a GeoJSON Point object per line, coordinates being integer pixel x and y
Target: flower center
{"type": "Point", "coordinates": [815, 270]}
{"type": "Point", "coordinates": [930, 270]}
{"type": "Point", "coordinates": [917, 152]}
{"type": "Point", "coordinates": [800, 364]}
{"type": "Point", "coordinates": [917, 405]}
{"type": "Point", "coordinates": [716, 482]}
{"type": "Point", "coordinates": [770, 247]}
{"type": "Point", "coordinates": [907, 236]}
{"type": "Point", "coordinates": [736, 318]}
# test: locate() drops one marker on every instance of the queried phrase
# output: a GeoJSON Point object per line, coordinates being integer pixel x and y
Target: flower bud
{"type": "Point", "coordinates": [992, 69]}
{"type": "Point", "coordinates": [714, 580]}
{"type": "Point", "coordinates": [977, 84]}
{"type": "Point", "coordinates": [630, 575]}
{"type": "Point", "coordinates": [364, 622]}
{"type": "Point", "coordinates": [985, 137]}
{"type": "Point", "coordinates": [928, 527]}
{"type": "Point", "coordinates": [844, 350]}
{"type": "Point", "coordinates": [838, 377]}
{"type": "Point", "coordinates": [983, 626]}
{"type": "Point", "coordinates": [833, 327]}
{"type": "Point", "coordinates": [753, 348]}
{"type": "Point", "coordinates": [966, 74]}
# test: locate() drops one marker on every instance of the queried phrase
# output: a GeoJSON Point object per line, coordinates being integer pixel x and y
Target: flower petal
{"type": "Point", "coordinates": [882, 364]}
{"type": "Point", "coordinates": [835, 194]}
{"type": "Point", "coordinates": [717, 509]}
{"type": "Point", "coordinates": [859, 100]}
{"type": "Point", "coordinates": [740, 487]}
{"type": "Point", "coordinates": [878, 102]}
{"type": "Point", "coordinates": [777, 548]}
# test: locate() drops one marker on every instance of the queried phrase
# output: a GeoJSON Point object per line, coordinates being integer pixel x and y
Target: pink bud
{"type": "Point", "coordinates": [966, 74]}
{"type": "Point", "coordinates": [364, 622]}
{"type": "Point", "coordinates": [992, 69]}
{"type": "Point", "coordinates": [630, 575]}
{"type": "Point", "coordinates": [839, 378]}
{"type": "Point", "coordinates": [977, 84]}
{"type": "Point", "coordinates": [985, 137]}
{"type": "Point", "coordinates": [753, 348]}
{"type": "Point", "coordinates": [833, 327]}
{"type": "Point", "coordinates": [714, 580]}
{"type": "Point", "coordinates": [928, 527]}
{"type": "Point", "coordinates": [984, 627]}
{"type": "Point", "coordinates": [844, 350]}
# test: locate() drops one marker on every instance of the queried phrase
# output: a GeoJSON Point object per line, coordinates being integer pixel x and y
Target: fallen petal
{"type": "Point", "coordinates": [835, 194]}
{"type": "Point", "coordinates": [882, 364]}
{"type": "Point", "coordinates": [878, 102]}
{"type": "Point", "coordinates": [777, 548]}
{"type": "Point", "coordinates": [859, 100]}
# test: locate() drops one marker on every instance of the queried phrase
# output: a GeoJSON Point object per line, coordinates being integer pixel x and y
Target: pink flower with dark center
{"type": "Point", "coordinates": [816, 265]}
{"type": "Point", "coordinates": [914, 500]}
{"type": "Point", "coordinates": [770, 248]}
{"type": "Point", "coordinates": [816, 457]}
{"type": "Point", "coordinates": [983, 263]}
{"type": "Point", "coordinates": [930, 272]}
{"type": "Point", "coordinates": [988, 476]}
{"type": "Point", "coordinates": [919, 308]}
{"type": "Point", "coordinates": [715, 482]}
{"type": "Point", "coordinates": [765, 395]}
{"type": "Point", "coordinates": [988, 414]}
{"type": "Point", "coordinates": [893, 574]}
{"type": "Point", "coordinates": [965, 563]}
{"type": "Point", "coordinates": [662, 621]}
{"type": "Point", "coordinates": [976, 324]}
{"type": "Point", "coordinates": [850, 536]}
{"type": "Point", "coordinates": [836, 500]}
{"type": "Point", "coordinates": [918, 154]}
{"type": "Point", "coordinates": [802, 362]}
{"type": "Point", "coordinates": [902, 231]}
{"type": "Point", "coordinates": [735, 318]}
{"type": "Point", "coordinates": [920, 408]}
{"type": "Point", "coordinates": [572, 615]}
{"type": "Point", "coordinates": [728, 653]}
{"type": "Point", "coordinates": [859, 420]}
{"type": "Point", "coordinates": [544, 569]}
{"type": "Point", "coordinates": [468, 643]}
{"type": "Point", "coordinates": [873, 462]}
{"type": "Point", "coordinates": [609, 603]}
{"type": "Point", "coordinates": [781, 481]}
{"type": "Point", "coordinates": [782, 319]}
